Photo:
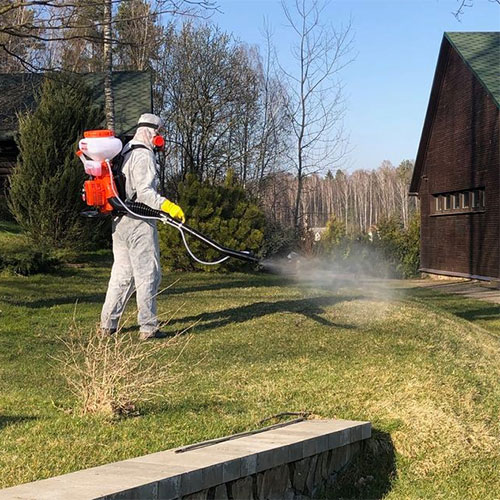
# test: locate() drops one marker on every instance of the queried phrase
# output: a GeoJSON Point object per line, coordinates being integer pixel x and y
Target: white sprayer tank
{"type": "Point", "coordinates": [100, 145]}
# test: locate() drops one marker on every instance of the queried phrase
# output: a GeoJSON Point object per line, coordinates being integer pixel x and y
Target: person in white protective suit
{"type": "Point", "coordinates": [136, 252]}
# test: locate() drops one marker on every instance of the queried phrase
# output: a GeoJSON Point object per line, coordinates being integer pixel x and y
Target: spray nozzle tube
{"type": "Point", "coordinates": [144, 212]}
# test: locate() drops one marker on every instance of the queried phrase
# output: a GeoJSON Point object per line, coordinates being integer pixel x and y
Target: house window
{"type": "Point", "coordinates": [465, 201]}
{"type": "Point", "coordinates": [447, 201]}
{"type": "Point", "coordinates": [475, 198]}
{"type": "Point", "coordinates": [439, 203]}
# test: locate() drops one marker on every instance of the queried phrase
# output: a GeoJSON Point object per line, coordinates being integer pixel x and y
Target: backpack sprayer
{"type": "Point", "coordinates": [105, 192]}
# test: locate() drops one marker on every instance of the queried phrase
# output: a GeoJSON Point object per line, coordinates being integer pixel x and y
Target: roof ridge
{"type": "Point", "coordinates": [480, 72]}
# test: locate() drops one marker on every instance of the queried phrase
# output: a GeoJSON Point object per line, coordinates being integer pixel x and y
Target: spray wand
{"type": "Point", "coordinates": [144, 212]}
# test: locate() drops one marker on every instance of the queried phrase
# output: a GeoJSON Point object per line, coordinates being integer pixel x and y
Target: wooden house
{"type": "Point", "coordinates": [457, 169]}
{"type": "Point", "coordinates": [132, 94]}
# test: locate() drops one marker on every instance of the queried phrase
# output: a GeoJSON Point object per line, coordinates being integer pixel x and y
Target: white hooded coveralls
{"type": "Point", "coordinates": [136, 252]}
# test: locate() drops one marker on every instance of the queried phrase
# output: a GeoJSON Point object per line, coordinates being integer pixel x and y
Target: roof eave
{"type": "Point", "coordinates": [429, 116]}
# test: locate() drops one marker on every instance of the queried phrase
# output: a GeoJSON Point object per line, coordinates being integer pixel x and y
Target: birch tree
{"type": "Point", "coordinates": [317, 108]}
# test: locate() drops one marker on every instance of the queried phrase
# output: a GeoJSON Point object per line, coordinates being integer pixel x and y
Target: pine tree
{"type": "Point", "coordinates": [45, 187]}
{"type": "Point", "coordinates": [223, 212]}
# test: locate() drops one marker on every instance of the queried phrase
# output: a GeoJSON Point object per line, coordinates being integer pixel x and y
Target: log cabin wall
{"type": "Point", "coordinates": [460, 167]}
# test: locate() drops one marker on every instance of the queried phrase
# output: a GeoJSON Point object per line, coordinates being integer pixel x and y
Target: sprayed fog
{"type": "Point", "coordinates": [366, 274]}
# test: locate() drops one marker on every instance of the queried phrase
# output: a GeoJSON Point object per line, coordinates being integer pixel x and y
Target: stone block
{"type": "Point", "coordinates": [339, 459]}
{"type": "Point", "coordinates": [355, 434]}
{"type": "Point", "coordinates": [311, 475]}
{"type": "Point", "coordinates": [338, 438]}
{"type": "Point", "coordinates": [295, 452]}
{"type": "Point", "coordinates": [169, 488]}
{"type": "Point", "coordinates": [138, 493]}
{"type": "Point", "coordinates": [321, 472]}
{"type": "Point", "coordinates": [300, 471]}
{"type": "Point", "coordinates": [212, 475]}
{"type": "Point", "coordinates": [191, 482]}
{"type": "Point", "coordinates": [310, 447]}
{"type": "Point", "coordinates": [273, 483]}
{"type": "Point", "coordinates": [242, 489]}
{"type": "Point", "coordinates": [248, 465]}
{"type": "Point", "coordinates": [272, 458]}
{"type": "Point", "coordinates": [220, 492]}
{"type": "Point", "coordinates": [231, 470]}
{"type": "Point", "coordinates": [326, 463]}
{"type": "Point", "coordinates": [366, 430]}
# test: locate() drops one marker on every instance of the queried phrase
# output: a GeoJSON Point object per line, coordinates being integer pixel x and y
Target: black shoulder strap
{"type": "Point", "coordinates": [138, 146]}
{"type": "Point", "coordinates": [119, 176]}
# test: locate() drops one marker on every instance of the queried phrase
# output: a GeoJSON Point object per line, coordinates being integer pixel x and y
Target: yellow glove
{"type": "Point", "coordinates": [173, 210]}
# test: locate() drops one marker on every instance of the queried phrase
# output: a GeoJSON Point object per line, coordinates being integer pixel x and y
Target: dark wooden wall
{"type": "Point", "coordinates": [462, 153]}
{"type": "Point", "coordinates": [8, 155]}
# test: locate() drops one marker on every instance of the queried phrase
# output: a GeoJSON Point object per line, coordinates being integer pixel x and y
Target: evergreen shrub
{"type": "Point", "coordinates": [28, 261]}
{"type": "Point", "coordinates": [278, 240]}
{"type": "Point", "coordinates": [45, 186]}
{"type": "Point", "coordinates": [394, 251]}
{"type": "Point", "coordinates": [18, 256]}
{"type": "Point", "coordinates": [334, 242]}
{"type": "Point", "coordinates": [224, 213]}
{"type": "Point", "coordinates": [400, 246]}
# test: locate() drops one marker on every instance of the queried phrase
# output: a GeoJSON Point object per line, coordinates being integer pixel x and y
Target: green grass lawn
{"type": "Point", "coordinates": [421, 366]}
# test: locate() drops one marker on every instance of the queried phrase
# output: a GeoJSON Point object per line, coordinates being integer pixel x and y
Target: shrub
{"type": "Point", "coordinates": [394, 252]}
{"type": "Point", "coordinates": [410, 261]}
{"type": "Point", "coordinates": [28, 262]}
{"type": "Point", "coordinates": [45, 186]}
{"type": "Point", "coordinates": [18, 256]}
{"type": "Point", "coordinates": [222, 212]}
{"type": "Point", "coordinates": [334, 242]}
{"type": "Point", "coordinates": [400, 246]}
{"type": "Point", "coordinates": [278, 240]}
{"type": "Point", "coordinates": [110, 375]}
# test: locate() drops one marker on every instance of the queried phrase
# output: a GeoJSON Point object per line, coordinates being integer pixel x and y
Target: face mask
{"type": "Point", "coordinates": [158, 142]}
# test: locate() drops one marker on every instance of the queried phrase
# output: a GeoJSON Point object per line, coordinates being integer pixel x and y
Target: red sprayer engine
{"type": "Point", "coordinates": [97, 149]}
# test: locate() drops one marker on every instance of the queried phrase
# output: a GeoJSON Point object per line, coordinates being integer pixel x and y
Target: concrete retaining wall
{"type": "Point", "coordinates": [296, 461]}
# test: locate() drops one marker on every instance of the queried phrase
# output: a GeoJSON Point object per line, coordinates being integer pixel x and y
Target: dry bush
{"type": "Point", "coordinates": [110, 374]}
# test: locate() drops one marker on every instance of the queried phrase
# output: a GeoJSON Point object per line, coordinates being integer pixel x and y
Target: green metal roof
{"type": "Point", "coordinates": [132, 93]}
{"type": "Point", "coordinates": [481, 52]}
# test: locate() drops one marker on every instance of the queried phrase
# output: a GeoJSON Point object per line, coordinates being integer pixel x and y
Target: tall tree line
{"type": "Point", "coordinates": [359, 199]}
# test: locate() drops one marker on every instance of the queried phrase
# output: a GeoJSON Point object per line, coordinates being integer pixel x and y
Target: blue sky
{"type": "Point", "coordinates": [388, 85]}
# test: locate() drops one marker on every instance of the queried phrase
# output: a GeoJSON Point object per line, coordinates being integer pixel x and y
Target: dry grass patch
{"type": "Point", "coordinates": [111, 374]}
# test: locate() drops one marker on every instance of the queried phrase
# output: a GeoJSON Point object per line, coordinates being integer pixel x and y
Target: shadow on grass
{"type": "Point", "coordinates": [371, 474]}
{"type": "Point", "coordinates": [462, 307]}
{"type": "Point", "coordinates": [311, 308]}
{"type": "Point", "coordinates": [6, 420]}
{"type": "Point", "coordinates": [492, 312]}
{"type": "Point", "coordinates": [197, 405]}
{"type": "Point", "coordinates": [97, 298]}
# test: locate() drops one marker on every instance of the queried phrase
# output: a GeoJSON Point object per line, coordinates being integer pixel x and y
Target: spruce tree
{"type": "Point", "coordinates": [223, 212]}
{"type": "Point", "coordinates": [45, 187]}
